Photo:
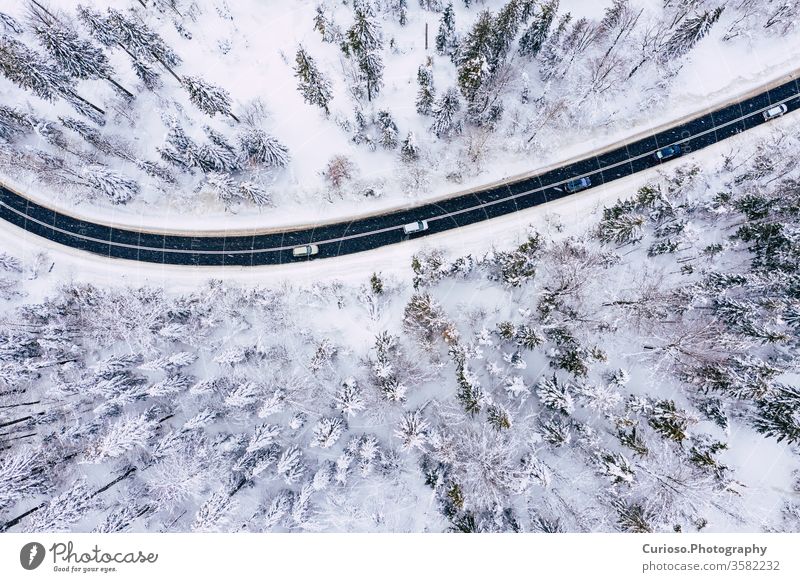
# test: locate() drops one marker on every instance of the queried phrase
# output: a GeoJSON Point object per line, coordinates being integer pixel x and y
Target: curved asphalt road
{"type": "Point", "coordinates": [374, 231]}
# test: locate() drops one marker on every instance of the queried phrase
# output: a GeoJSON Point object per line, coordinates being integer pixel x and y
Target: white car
{"type": "Point", "coordinates": [305, 251]}
{"type": "Point", "coordinates": [413, 227]}
{"type": "Point", "coordinates": [776, 111]}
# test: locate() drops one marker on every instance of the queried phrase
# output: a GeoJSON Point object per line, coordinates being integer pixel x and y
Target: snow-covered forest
{"type": "Point", "coordinates": [639, 375]}
{"type": "Point", "coordinates": [204, 108]}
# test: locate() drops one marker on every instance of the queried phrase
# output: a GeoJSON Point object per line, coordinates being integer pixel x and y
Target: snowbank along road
{"type": "Point", "coordinates": [370, 232]}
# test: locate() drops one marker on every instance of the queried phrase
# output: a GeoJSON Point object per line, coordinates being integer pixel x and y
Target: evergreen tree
{"type": "Point", "coordinates": [10, 24]}
{"type": "Point", "coordinates": [30, 71]}
{"type": "Point", "coordinates": [555, 395]}
{"type": "Point", "coordinates": [65, 509]}
{"type": "Point", "coordinates": [77, 57]}
{"type": "Point", "coordinates": [325, 26]}
{"type": "Point", "coordinates": [506, 26]}
{"type": "Point", "coordinates": [326, 432]}
{"type": "Point", "coordinates": [425, 94]}
{"type": "Point", "coordinates": [446, 40]}
{"type": "Point", "coordinates": [255, 193]}
{"type": "Point", "coordinates": [364, 41]}
{"type": "Point", "coordinates": [413, 431]}
{"type": "Point", "coordinates": [616, 466]}
{"type": "Point", "coordinates": [133, 36]}
{"type": "Point", "coordinates": [349, 399]}
{"type": "Point", "coordinates": [532, 40]}
{"type": "Point", "coordinates": [217, 155]}
{"type": "Point", "coordinates": [475, 56]}
{"type": "Point", "coordinates": [388, 130]}
{"type": "Point", "coordinates": [179, 148]}
{"type": "Point", "coordinates": [314, 86]}
{"type": "Point", "coordinates": [258, 147]}
{"type": "Point", "coordinates": [117, 188]}
{"type": "Point", "coordinates": [139, 39]}
{"type": "Point", "coordinates": [146, 73]}
{"type": "Point", "coordinates": [409, 151]}
{"type": "Point", "coordinates": [445, 123]}
{"type": "Point", "coordinates": [400, 10]}
{"type": "Point", "coordinates": [23, 475]}
{"type": "Point", "coordinates": [222, 186]}
{"type": "Point", "coordinates": [14, 123]}
{"type": "Point", "coordinates": [690, 32]}
{"type": "Point", "coordinates": [215, 513]}
{"type": "Point", "coordinates": [779, 414]}
{"type": "Point", "coordinates": [371, 66]}
{"type": "Point", "coordinates": [208, 98]}
{"type": "Point", "coordinates": [99, 26]}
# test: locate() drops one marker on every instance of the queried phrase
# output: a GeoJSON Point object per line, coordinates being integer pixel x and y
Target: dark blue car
{"type": "Point", "coordinates": [577, 185]}
{"type": "Point", "coordinates": [668, 152]}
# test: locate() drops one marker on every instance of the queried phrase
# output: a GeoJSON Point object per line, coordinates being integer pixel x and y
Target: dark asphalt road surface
{"type": "Point", "coordinates": [367, 233]}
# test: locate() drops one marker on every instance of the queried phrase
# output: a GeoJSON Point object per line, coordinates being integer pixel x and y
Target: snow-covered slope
{"type": "Point", "coordinates": [605, 70]}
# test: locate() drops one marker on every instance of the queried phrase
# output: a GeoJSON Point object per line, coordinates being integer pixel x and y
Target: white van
{"type": "Point", "coordinates": [776, 111]}
{"type": "Point", "coordinates": [413, 227]}
{"type": "Point", "coordinates": [305, 251]}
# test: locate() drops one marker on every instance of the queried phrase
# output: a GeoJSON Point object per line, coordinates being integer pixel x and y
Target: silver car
{"type": "Point", "coordinates": [413, 227]}
{"type": "Point", "coordinates": [305, 251]}
{"type": "Point", "coordinates": [776, 111]}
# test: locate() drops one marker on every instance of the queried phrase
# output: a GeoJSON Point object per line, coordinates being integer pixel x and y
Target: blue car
{"type": "Point", "coordinates": [577, 185]}
{"type": "Point", "coordinates": [668, 152]}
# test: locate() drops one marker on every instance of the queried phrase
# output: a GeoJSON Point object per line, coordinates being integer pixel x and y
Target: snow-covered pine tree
{"type": "Point", "coordinates": [413, 430]}
{"type": "Point", "coordinates": [325, 26]}
{"type": "Point", "coordinates": [506, 26]}
{"type": "Point", "coordinates": [10, 24]}
{"type": "Point", "coordinates": [30, 70]}
{"type": "Point", "coordinates": [475, 56]}
{"type": "Point", "coordinates": [312, 84]}
{"type": "Point", "coordinates": [555, 395]}
{"type": "Point", "coordinates": [77, 57]}
{"type": "Point", "coordinates": [254, 193]}
{"type": "Point", "coordinates": [290, 465]}
{"type": "Point", "coordinates": [99, 26]}
{"type": "Point", "coordinates": [446, 39]}
{"type": "Point", "coordinates": [215, 514]}
{"type": "Point", "coordinates": [223, 186]}
{"type": "Point", "coordinates": [64, 510]}
{"type": "Point", "coordinates": [135, 37]}
{"type": "Point", "coordinates": [400, 10]}
{"type": "Point", "coordinates": [146, 73]}
{"type": "Point", "coordinates": [551, 53]}
{"type": "Point", "coordinates": [349, 398]}
{"type": "Point", "coordinates": [126, 434]}
{"type": "Point", "coordinates": [327, 432]}
{"type": "Point", "coordinates": [532, 40]}
{"type": "Point", "coordinates": [209, 98]}
{"type": "Point", "coordinates": [778, 414]}
{"type": "Point", "coordinates": [217, 155]}
{"type": "Point", "coordinates": [616, 466]}
{"type": "Point", "coordinates": [689, 33]}
{"type": "Point", "coordinates": [364, 41]}
{"type": "Point", "coordinates": [23, 475]}
{"type": "Point", "coordinates": [409, 150]}
{"type": "Point", "coordinates": [425, 94]}
{"type": "Point", "coordinates": [14, 123]}
{"type": "Point", "coordinates": [258, 147]}
{"type": "Point", "coordinates": [388, 130]}
{"type": "Point", "coordinates": [117, 188]}
{"type": "Point", "coordinates": [445, 122]}
{"type": "Point", "coordinates": [179, 150]}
